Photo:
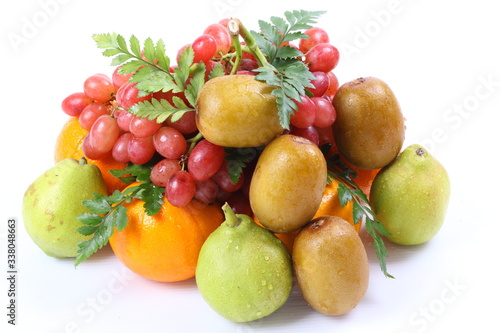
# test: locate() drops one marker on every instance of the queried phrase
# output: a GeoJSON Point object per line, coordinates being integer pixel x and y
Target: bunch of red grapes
{"type": "Point", "coordinates": [189, 168]}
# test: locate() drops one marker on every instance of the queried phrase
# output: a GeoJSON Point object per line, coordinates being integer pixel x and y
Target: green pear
{"type": "Point", "coordinates": [54, 200]}
{"type": "Point", "coordinates": [244, 271]}
{"type": "Point", "coordinates": [410, 196]}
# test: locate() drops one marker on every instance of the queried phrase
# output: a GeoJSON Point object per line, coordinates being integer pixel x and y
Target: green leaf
{"type": "Point", "coordinates": [216, 71]}
{"type": "Point", "coordinates": [121, 58]}
{"type": "Point", "coordinates": [197, 81]}
{"type": "Point", "coordinates": [98, 205]}
{"type": "Point", "coordinates": [349, 191]}
{"type": "Point", "coordinates": [105, 41]}
{"type": "Point", "coordinates": [89, 219]}
{"type": "Point", "coordinates": [135, 46]}
{"type": "Point", "coordinates": [160, 109]}
{"type": "Point", "coordinates": [121, 218]}
{"type": "Point", "coordinates": [237, 159]}
{"type": "Point", "coordinates": [87, 230]}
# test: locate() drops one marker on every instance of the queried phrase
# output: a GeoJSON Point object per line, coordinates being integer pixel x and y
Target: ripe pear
{"type": "Point", "coordinates": [54, 200]}
{"type": "Point", "coordinates": [410, 196]}
{"type": "Point", "coordinates": [244, 271]}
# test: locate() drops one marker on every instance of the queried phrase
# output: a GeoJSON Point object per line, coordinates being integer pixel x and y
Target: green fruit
{"type": "Point", "coordinates": [54, 200]}
{"type": "Point", "coordinates": [331, 265]}
{"type": "Point", "coordinates": [288, 183]}
{"type": "Point", "coordinates": [237, 111]}
{"type": "Point", "coordinates": [410, 196]}
{"type": "Point", "coordinates": [244, 272]}
{"type": "Point", "coordinates": [369, 130]}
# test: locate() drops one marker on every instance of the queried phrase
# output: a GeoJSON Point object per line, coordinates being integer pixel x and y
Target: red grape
{"type": "Point", "coordinates": [74, 104]}
{"type": "Point", "coordinates": [223, 179]}
{"type": "Point", "coordinates": [205, 160]}
{"type": "Point", "coordinates": [90, 114]}
{"type": "Point", "coordinates": [204, 48]}
{"type": "Point", "coordinates": [143, 127]}
{"type": "Point", "coordinates": [170, 143]}
{"type": "Point", "coordinates": [124, 118]}
{"type": "Point", "coordinates": [320, 84]}
{"type": "Point", "coordinates": [334, 85]}
{"type": "Point", "coordinates": [305, 114]}
{"type": "Point", "coordinates": [310, 133]}
{"type": "Point", "coordinates": [120, 149]}
{"type": "Point", "coordinates": [104, 133]}
{"type": "Point", "coordinates": [119, 79]}
{"type": "Point", "coordinates": [206, 191]}
{"type": "Point", "coordinates": [89, 151]}
{"type": "Point", "coordinates": [316, 36]}
{"type": "Point", "coordinates": [99, 87]}
{"type": "Point", "coordinates": [322, 57]}
{"type": "Point", "coordinates": [185, 124]}
{"type": "Point", "coordinates": [141, 150]}
{"type": "Point", "coordinates": [163, 170]}
{"type": "Point", "coordinates": [180, 189]}
{"type": "Point", "coordinates": [325, 113]}
{"type": "Point", "coordinates": [127, 95]}
{"type": "Point", "coordinates": [222, 38]}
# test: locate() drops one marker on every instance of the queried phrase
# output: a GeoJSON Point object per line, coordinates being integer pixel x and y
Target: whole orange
{"type": "Point", "coordinates": [69, 145]}
{"type": "Point", "coordinates": [165, 247]}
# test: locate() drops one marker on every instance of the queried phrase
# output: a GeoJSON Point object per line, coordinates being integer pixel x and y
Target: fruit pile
{"type": "Point", "coordinates": [242, 164]}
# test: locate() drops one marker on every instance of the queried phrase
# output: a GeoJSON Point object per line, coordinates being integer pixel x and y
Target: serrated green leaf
{"type": "Point", "coordinates": [160, 55]}
{"type": "Point", "coordinates": [130, 67]}
{"type": "Point", "coordinates": [216, 71]}
{"type": "Point", "coordinates": [122, 44]}
{"type": "Point", "coordinates": [97, 205]}
{"type": "Point", "coordinates": [87, 230]}
{"type": "Point", "coordinates": [111, 52]}
{"type": "Point", "coordinates": [149, 50]}
{"type": "Point", "coordinates": [357, 212]}
{"type": "Point", "coordinates": [135, 46]}
{"type": "Point", "coordinates": [197, 81]}
{"type": "Point", "coordinates": [120, 59]}
{"type": "Point", "coordinates": [115, 197]}
{"type": "Point", "coordinates": [286, 52]}
{"type": "Point", "coordinates": [89, 219]}
{"type": "Point", "coordinates": [344, 194]}
{"type": "Point", "coordinates": [280, 25]}
{"type": "Point", "coordinates": [105, 41]}
{"type": "Point", "coordinates": [121, 218]}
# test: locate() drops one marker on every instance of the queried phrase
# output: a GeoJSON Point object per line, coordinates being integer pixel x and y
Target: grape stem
{"type": "Point", "coordinates": [236, 28]}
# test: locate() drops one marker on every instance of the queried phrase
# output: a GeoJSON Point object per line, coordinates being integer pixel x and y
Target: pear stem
{"type": "Point", "coordinates": [82, 161]}
{"type": "Point", "coordinates": [231, 219]}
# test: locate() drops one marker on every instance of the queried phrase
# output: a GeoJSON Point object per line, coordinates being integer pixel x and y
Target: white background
{"type": "Point", "coordinates": [440, 58]}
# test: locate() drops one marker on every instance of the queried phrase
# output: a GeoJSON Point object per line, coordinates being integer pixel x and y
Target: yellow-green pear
{"type": "Point", "coordinates": [244, 271]}
{"type": "Point", "coordinates": [410, 196]}
{"type": "Point", "coordinates": [53, 201]}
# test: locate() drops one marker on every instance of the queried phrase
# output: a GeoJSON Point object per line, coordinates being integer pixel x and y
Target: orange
{"type": "Point", "coordinates": [330, 205]}
{"type": "Point", "coordinates": [69, 145]}
{"type": "Point", "coordinates": [165, 247]}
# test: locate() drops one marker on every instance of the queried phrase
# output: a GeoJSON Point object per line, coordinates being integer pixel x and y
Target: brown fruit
{"type": "Point", "coordinates": [288, 183]}
{"type": "Point", "coordinates": [331, 265]}
{"type": "Point", "coordinates": [237, 111]}
{"type": "Point", "coordinates": [369, 129]}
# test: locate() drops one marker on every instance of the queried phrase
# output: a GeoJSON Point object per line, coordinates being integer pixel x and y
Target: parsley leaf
{"type": "Point", "coordinates": [349, 191]}
{"type": "Point", "coordinates": [108, 212]}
